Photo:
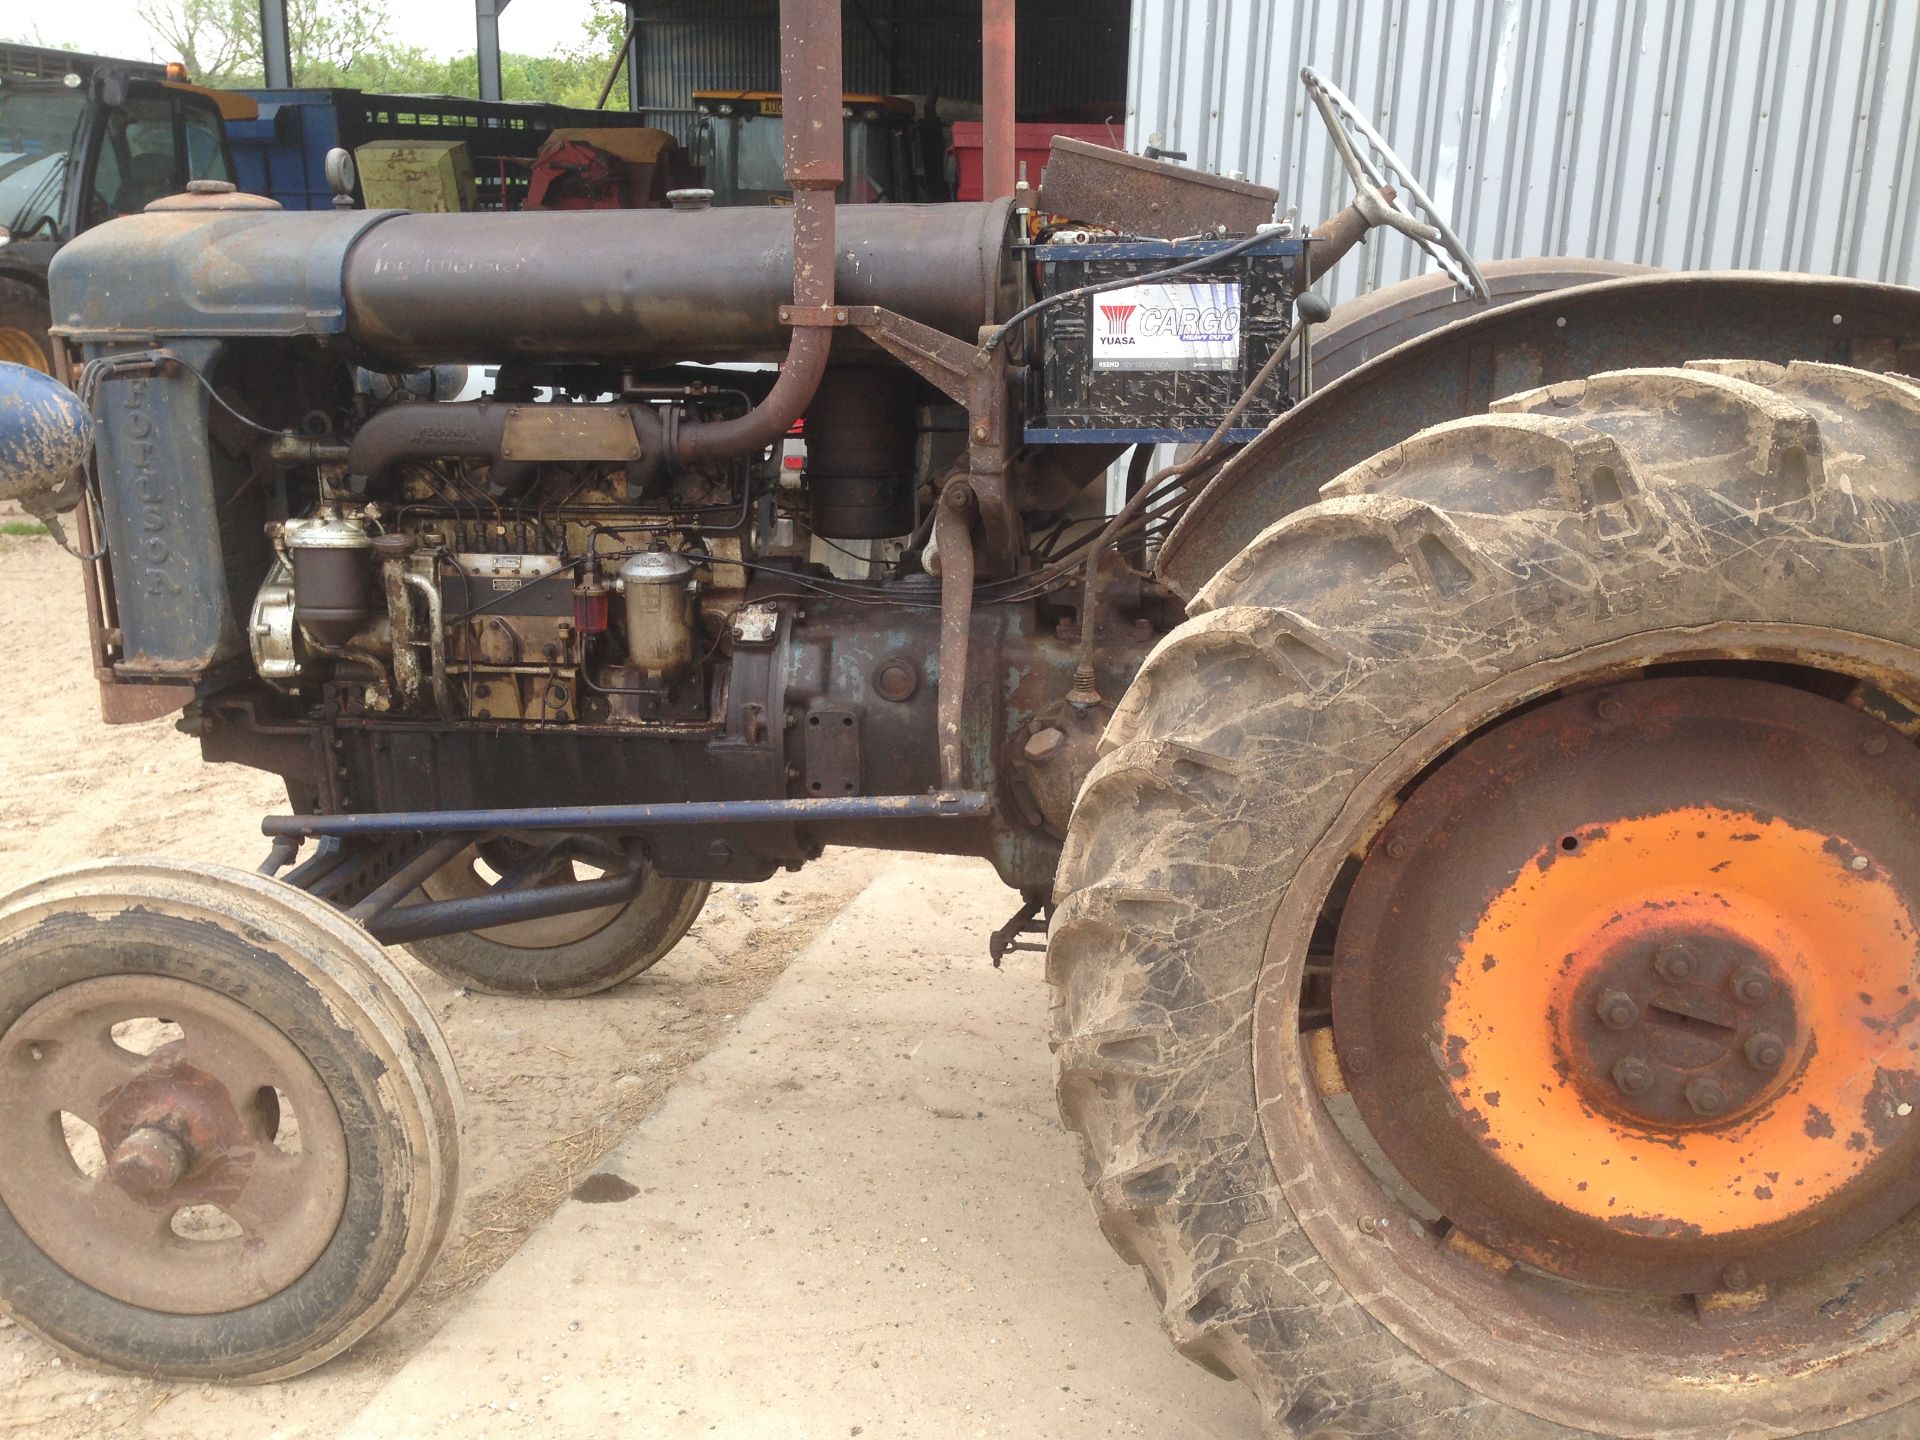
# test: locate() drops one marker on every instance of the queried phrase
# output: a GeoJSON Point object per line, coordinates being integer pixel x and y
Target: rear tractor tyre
{"type": "Point", "coordinates": [1485, 969]}
{"type": "Point", "coordinates": [230, 1140]}
{"type": "Point", "coordinates": [24, 321]}
{"type": "Point", "coordinates": [564, 957]}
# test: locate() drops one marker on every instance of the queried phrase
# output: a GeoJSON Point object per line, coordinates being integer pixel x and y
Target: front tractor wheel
{"type": "Point", "coordinates": [1487, 971]}
{"type": "Point", "coordinates": [229, 1138]}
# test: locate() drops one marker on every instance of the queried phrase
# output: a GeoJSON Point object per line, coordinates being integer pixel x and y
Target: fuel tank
{"type": "Point", "coordinates": [657, 285]}
{"type": "Point", "coordinates": [645, 287]}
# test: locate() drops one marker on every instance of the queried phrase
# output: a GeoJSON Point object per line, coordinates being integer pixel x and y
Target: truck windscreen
{"type": "Point", "coordinates": [38, 131]}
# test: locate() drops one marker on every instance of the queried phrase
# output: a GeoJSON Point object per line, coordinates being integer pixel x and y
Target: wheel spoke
{"type": "Point", "coordinates": [118, 1222]}
{"type": "Point", "coordinates": [281, 1192]}
{"type": "Point", "coordinates": [79, 1071]}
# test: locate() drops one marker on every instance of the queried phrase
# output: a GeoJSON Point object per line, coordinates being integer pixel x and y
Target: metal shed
{"type": "Point", "coordinates": [1770, 134]}
{"type": "Point", "coordinates": [1071, 53]}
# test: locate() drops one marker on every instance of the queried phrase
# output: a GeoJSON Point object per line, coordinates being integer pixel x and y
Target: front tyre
{"type": "Point", "coordinates": [229, 1143]}
{"type": "Point", "coordinates": [1485, 974]}
{"type": "Point", "coordinates": [24, 321]}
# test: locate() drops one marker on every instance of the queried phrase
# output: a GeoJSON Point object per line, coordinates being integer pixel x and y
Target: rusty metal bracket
{"type": "Point", "coordinates": [826, 317]}
{"type": "Point", "coordinates": [946, 363]}
{"type": "Point", "coordinates": [980, 379]}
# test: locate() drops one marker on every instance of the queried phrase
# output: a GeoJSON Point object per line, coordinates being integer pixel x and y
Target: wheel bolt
{"type": "Point", "coordinates": [1706, 1096]}
{"type": "Point", "coordinates": [149, 1162]}
{"type": "Point", "coordinates": [1752, 987]}
{"type": "Point", "coordinates": [1673, 963]}
{"type": "Point", "coordinates": [1765, 1052]}
{"type": "Point", "coordinates": [1633, 1075]}
{"type": "Point", "coordinates": [1617, 1010]}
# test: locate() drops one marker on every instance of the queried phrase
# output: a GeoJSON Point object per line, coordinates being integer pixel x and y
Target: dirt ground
{"type": "Point", "coordinates": [551, 1086]}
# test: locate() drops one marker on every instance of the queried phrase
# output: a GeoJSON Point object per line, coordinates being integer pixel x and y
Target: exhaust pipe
{"type": "Point", "coordinates": [810, 101]}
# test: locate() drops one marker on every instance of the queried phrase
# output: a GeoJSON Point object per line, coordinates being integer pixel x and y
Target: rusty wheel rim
{"type": "Point", "coordinates": [202, 1125]}
{"type": "Point", "coordinates": [1796, 1356]}
{"type": "Point", "coordinates": [1632, 997]}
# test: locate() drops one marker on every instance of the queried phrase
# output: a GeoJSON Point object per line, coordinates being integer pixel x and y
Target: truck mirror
{"type": "Point", "coordinates": [342, 176]}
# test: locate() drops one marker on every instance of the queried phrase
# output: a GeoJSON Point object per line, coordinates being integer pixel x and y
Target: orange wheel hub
{"type": "Point", "coordinates": [1629, 989]}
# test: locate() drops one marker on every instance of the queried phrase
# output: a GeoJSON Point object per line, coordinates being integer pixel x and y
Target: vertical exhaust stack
{"type": "Point", "coordinates": [810, 89]}
{"type": "Point", "coordinates": [997, 98]}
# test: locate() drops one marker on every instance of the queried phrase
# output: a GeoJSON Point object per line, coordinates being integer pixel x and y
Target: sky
{"type": "Point", "coordinates": [440, 27]}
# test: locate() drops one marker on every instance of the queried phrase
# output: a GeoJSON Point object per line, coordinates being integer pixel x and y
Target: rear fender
{"type": "Point", "coordinates": [1458, 369]}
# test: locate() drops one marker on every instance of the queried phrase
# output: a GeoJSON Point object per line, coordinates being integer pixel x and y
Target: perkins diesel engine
{"type": "Point", "coordinates": [487, 511]}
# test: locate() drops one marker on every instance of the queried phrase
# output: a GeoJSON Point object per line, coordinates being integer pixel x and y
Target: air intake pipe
{"type": "Point", "coordinates": [810, 87]}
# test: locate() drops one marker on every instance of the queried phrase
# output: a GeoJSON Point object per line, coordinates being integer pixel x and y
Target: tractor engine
{"type": "Point", "coordinates": [420, 512]}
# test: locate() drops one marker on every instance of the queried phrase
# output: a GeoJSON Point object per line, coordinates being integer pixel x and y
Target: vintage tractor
{"type": "Point", "coordinates": [1474, 794]}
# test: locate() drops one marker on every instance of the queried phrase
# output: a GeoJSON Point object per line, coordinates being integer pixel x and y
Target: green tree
{"type": "Point", "coordinates": [340, 43]}
{"type": "Point", "coordinates": [219, 40]}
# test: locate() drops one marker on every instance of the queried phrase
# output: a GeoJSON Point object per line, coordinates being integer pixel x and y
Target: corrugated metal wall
{"type": "Point", "coordinates": [1772, 134]}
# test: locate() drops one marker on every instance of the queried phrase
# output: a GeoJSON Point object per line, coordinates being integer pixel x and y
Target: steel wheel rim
{"type": "Point", "coordinates": [1458, 1312]}
{"type": "Point", "coordinates": [18, 347]}
{"type": "Point", "coordinates": [1632, 1057]}
{"type": "Point", "coordinates": [462, 880]}
{"type": "Point", "coordinates": [188, 1125]}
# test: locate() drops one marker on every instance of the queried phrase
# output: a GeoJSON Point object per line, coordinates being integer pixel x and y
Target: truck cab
{"type": "Point", "coordinates": [890, 155]}
{"type": "Point", "coordinates": [80, 149]}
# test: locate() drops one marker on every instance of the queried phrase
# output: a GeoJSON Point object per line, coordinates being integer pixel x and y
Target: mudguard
{"type": "Point", "coordinates": [1660, 318]}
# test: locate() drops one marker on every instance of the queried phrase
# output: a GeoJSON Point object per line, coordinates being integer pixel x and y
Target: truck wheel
{"type": "Point", "coordinates": [1485, 977]}
{"type": "Point", "coordinates": [24, 321]}
{"type": "Point", "coordinates": [563, 957]}
{"type": "Point", "coordinates": [230, 1125]}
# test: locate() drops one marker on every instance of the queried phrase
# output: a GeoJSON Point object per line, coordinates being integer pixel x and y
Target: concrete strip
{"type": "Point", "coordinates": [858, 1217]}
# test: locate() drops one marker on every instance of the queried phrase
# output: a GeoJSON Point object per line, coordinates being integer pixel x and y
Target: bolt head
{"type": "Point", "coordinates": [1752, 987]}
{"type": "Point", "coordinates": [1735, 1277]}
{"type": "Point", "coordinates": [1633, 1075]}
{"type": "Point", "coordinates": [1705, 1096]}
{"type": "Point", "coordinates": [1617, 1010]}
{"type": "Point", "coordinates": [1610, 709]}
{"type": "Point", "coordinates": [1359, 1060]}
{"type": "Point", "coordinates": [1858, 862]}
{"type": "Point", "coordinates": [1673, 962]}
{"type": "Point", "coordinates": [148, 1162]}
{"type": "Point", "coordinates": [1766, 1052]}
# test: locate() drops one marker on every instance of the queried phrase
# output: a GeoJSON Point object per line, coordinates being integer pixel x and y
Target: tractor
{"type": "Point", "coordinates": [1461, 751]}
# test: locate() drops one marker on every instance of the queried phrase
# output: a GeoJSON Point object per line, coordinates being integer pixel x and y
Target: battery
{"type": "Point", "coordinates": [1163, 360]}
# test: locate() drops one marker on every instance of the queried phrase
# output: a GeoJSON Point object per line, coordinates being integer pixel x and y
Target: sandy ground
{"type": "Point", "coordinates": [551, 1087]}
{"type": "Point", "coordinates": [859, 1216]}
{"type": "Point", "coordinates": [804, 1179]}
